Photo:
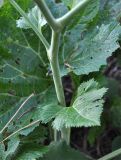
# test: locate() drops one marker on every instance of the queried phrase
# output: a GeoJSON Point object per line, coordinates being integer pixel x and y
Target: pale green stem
{"type": "Point", "coordinates": [35, 29]}
{"type": "Point", "coordinates": [57, 25]}
{"type": "Point", "coordinates": [60, 23]}
{"type": "Point", "coordinates": [53, 57]}
{"type": "Point", "coordinates": [111, 155]}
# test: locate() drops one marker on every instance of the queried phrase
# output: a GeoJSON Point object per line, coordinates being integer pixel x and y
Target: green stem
{"type": "Point", "coordinates": [53, 57]}
{"type": "Point", "coordinates": [57, 25]}
{"type": "Point", "coordinates": [111, 155]}
{"type": "Point", "coordinates": [68, 16]}
{"type": "Point", "coordinates": [48, 15]}
{"type": "Point", "coordinates": [35, 29]}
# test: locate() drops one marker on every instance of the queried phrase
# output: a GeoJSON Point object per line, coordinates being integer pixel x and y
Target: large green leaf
{"type": "Point", "coordinates": [88, 54]}
{"type": "Point", "coordinates": [28, 113]}
{"type": "Point", "coordinates": [34, 109]}
{"type": "Point", "coordinates": [22, 70]}
{"type": "Point", "coordinates": [34, 16]}
{"type": "Point", "coordinates": [86, 109]}
{"type": "Point", "coordinates": [87, 15]}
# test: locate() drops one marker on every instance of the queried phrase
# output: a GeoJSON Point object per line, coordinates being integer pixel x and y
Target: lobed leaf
{"type": "Point", "coordinates": [86, 109]}
{"type": "Point", "coordinates": [34, 16]}
{"type": "Point", "coordinates": [86, 55]}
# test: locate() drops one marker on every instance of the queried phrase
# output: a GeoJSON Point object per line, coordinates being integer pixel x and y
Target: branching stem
{"type": "Point", "coordinates": [48, 15]}
{"type": "Point", "coordinates": [68, 16]}
{"type": "Point", "coordinates": [60, 23]}
{"type": "Point", "coordinates": [57, 26]}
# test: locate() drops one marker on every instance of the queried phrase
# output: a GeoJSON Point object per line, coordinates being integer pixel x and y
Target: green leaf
{"type": "Point", "coordinates": [46, 112]}
{"type": "Point", "coordinates": [86, 109]}
{"type": "Point", "coordinates": [38, 135]}
{"type": "Point", "coordinates": [57, 9]}
{"type": "Point", "coordinates": [21, 71]}
{"type": "Point", "coordinates": [12, 145]}
{"type": "Point", "coordinates": [34, 16]}
{"type": "Point", "coordinates": [88, 54]}
{"type": "Point", "coordinates": [114, 8]}
{"type": "Point", "coordinates": [2, 152]}
{"type": "Point", "coordinates": [87, 15]}
{"type": "Point", "coordinates": [31, 111]}
{"type": "Point", "coordinates": [90, 12]}
{"type": "Point", "coordinates": [11, 148]}
{"type": "Point", "coordinates": [31, 152]}
{"type": "Point", "coordinates": [60, 151]}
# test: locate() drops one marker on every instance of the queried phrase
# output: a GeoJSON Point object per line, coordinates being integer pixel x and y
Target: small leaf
{"type": "Point", "coordinates": [35, 17]}
{"type": "Point", "coordinates": [86, 109]}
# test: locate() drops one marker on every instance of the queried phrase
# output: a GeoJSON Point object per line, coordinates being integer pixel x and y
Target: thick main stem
{"type": "Point", "coordinates": [53, 57]}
